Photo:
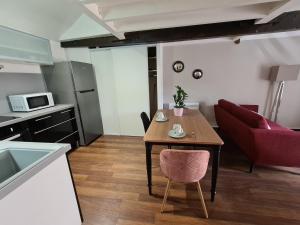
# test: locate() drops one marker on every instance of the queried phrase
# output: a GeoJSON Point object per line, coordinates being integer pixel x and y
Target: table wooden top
{"type": "Point", "coordinates": [197, 128]}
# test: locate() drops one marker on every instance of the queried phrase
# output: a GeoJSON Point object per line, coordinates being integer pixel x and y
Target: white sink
{"type": "Point", "coordinates": [14, 162]}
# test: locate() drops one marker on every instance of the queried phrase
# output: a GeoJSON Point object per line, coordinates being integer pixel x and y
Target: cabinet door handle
{"type": "Point", "coordinates": [66, 136]}
{"type": "Point", "coordinates": [66, 111]}
{"type": "Point", "coordinates": [43, 118]}
{"type": "Point", "coordinates": [12, 137]}
{"type": "Point", "coordinates": [86, 91]}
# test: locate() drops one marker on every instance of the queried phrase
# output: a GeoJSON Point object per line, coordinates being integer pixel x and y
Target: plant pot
{"type": "Point", "coordinates": [178, 111]}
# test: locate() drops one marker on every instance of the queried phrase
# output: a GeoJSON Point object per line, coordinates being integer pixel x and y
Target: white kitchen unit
{"type": "Point", "coordinates": [38, 190]}
{"type": "Point", "coordinates": [122, 80]}
{"type": "Point", "coordinates": [19, 46]}
{"type": "Point", "coordinates": [13, 67]}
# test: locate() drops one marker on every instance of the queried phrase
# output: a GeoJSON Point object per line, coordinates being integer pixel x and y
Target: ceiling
{"type": "Point", "coordinates": [84, 27]}
{"type": "Point", "coordinates": [120, 16]}
{"type": "Point", "coordinates": [44, 18]}
{"type": "Point", "coordinates": [76, 19]}
{"type": "Point", "coordinates": [51, 19]}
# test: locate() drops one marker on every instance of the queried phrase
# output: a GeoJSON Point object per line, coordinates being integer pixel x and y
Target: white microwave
{"type": "Point", "coordinates": [31, 102]}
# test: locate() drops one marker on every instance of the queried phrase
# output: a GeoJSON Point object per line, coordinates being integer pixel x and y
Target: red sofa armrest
{"type": "Point", "coordinates": [253, 108]}
{"type": "Point", "coordinates": [277, 147]}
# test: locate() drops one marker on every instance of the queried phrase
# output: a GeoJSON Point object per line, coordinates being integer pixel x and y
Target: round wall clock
{"type": "Point", "coordinates": [178, 66]}
{"type": "Point", "coordinates": [197, 74]}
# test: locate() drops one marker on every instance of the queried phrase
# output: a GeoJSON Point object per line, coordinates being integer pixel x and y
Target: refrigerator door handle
{"type": "Point", "coordinates": [86, 91]}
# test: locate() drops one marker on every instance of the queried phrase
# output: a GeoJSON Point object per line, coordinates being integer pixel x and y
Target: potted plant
{"type": "Point", "coordinates": [179, 99]}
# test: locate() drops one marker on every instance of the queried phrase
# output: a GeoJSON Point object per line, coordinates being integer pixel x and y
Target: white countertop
{"type": "Point", "coordinates": [34, 145]}
{"type": "Point", "coordinates": [23, 116]}
{"type": "Point", "coordinates": [56, 151]}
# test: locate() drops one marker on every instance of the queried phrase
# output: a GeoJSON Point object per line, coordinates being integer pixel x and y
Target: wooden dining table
{"type": "Point", "coordinates": [199, 133]}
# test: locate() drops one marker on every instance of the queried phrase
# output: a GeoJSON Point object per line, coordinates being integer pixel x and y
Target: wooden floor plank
{"type": "Point", "coordinates": [110, 176]}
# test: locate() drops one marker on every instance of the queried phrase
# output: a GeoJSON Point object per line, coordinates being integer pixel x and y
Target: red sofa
{"type": "Point", "coordinates": [263, 141]}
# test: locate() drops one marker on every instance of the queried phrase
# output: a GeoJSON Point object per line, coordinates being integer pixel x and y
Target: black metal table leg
{"type": "Point", "coordinates": [215, 169]}
{"type": "Point", "coordinates": [149, 166]}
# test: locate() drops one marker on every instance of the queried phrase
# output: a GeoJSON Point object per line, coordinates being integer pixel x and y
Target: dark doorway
{"type": "Point", "coordinates": [152, 73]}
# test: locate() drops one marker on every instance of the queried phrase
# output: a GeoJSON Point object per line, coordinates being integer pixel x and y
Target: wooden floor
{"type": "Point", "coordinates": [110, 177]}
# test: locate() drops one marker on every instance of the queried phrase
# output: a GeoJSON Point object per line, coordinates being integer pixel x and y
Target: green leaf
{"type": "Point", "coordinates": [179, 97]}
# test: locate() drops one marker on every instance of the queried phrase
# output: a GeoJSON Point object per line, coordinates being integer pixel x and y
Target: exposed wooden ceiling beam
{"type": "Point", "coordinates": [206, 16]}
{"type": "Point", "coordinates": [280, 8]}
{"type": "Point", "coordinates": [158, 7]}
{"type": "Point", "coordinates": [286, 22]}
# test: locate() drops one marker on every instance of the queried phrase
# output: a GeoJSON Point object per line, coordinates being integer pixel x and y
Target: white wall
{"type": "Point", "coordinates": [118, 71]}
{"type": "Point", "coordinates": [78, 54]}
{"type": "Point", "coordinates": [14, 83]}
{"type": "Point", "coordinates": [104, 69]}
{"type": "Point", "coordinates": [58, 53]}
{"type": "Point", "coordinates": [235, 72]}
{"type": "Point", "coordinates": [122, 80]}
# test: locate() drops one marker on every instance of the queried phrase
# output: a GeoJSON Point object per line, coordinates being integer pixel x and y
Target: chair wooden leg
{"type": "Point", "coordinates": [202, 199]}
{"type": "Point", "coordinates": [166, 195]}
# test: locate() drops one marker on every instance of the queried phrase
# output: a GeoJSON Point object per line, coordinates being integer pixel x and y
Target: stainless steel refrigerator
{"type": "Point", "coordinates": [75, 83]}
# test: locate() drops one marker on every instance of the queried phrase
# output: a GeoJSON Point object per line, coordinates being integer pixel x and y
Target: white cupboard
{"type": "Point", "coordinates": [47, 198]}
{"type": "Point", "coordinates": [19, 46]}
{"type": "Point", "coordinates": [12, 67]}
{"type": "Point", "coordinates": [122, 79]}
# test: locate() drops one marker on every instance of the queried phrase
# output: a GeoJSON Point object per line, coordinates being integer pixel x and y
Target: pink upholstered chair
{"type": "Point", "coordinates": [184, 166]}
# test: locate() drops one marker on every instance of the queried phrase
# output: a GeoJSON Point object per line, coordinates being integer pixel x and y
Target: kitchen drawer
{"type": "Point", "coordinates": [56, 132]}
{"type": "Point", "coordinates": [64, 115]}
{"type": "Point", "coordinates": [43, 122]}
{"type": "Point", "coordinates": [70, 139]}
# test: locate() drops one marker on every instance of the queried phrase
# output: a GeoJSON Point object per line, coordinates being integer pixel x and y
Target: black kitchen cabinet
{"type": "Point", "coordinates": [15, 132]}
{"type": "Point", "coordinates": [44, 122]}
{"type": "Point", "coordinates": [58, 127]}
{"type": "Point", "coordinates": [55, 133]}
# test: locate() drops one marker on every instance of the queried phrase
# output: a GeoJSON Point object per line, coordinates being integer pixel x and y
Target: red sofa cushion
{"type": "Point", "coordinates": [253, 108]}
{"type": "Point", "coordinates": [228, 106]}
{"type": "Point", "coordinates": [251, 118]}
